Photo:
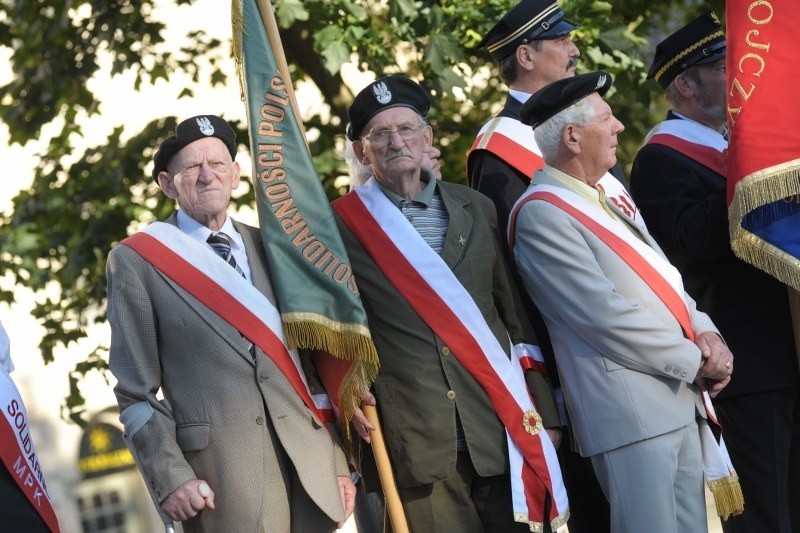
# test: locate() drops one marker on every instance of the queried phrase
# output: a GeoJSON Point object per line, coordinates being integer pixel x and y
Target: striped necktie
{"type": "Point", "coordinates": [221, 244]}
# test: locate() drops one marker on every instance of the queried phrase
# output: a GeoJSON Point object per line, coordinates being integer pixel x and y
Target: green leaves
{"type": "Point", "coordinates": [290, 11]}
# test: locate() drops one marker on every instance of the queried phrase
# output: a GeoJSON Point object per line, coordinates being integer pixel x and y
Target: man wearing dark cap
{"type": "Point", "coordinates": [231, 446]}
{"type": "Point", "coordinates": [462, 431]}
{"type": "Point", "coordinates": [679, 182]}
{"type": "Point", "coordinates": [532, 47]}
{"type": "Point", "coordinates": [631, 347]}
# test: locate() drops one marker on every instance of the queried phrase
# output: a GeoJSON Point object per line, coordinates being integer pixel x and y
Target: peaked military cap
{"type": "Point", "coordinates": [189, 131]}
{"type": "Point", "coordinates": [700, 41]}
{"type": "Point", "coordinates": [527, 21]}
{"type": "Point", "coordinates": [382, 94]}
{"type": "Point", "coordinates": [559, 95]}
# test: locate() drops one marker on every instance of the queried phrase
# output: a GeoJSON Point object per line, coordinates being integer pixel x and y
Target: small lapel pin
{"type": "Point", "coordinates": [461, 240]}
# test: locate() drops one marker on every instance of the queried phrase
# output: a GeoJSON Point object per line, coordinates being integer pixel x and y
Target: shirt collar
{"type": "Point", "coordinates": [199, 232]}
{"type": "Point", "coordinates": [519, 95]}
{"type": "Point", "coordinates": [424, 197]}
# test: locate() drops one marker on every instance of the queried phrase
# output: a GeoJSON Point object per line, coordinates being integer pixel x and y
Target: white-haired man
{"type": "Point", "coordinates": [631, 348]}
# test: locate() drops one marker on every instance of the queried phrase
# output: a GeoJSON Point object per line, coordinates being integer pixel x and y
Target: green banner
{"type": "Point", "coordinates": [310, 271]}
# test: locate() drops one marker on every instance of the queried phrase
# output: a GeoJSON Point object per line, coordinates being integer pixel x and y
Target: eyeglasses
{"type": "Point", "coordinates": [384, 137]}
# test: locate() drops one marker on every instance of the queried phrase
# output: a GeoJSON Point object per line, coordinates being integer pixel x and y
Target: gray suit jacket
{"type": "Point", "coordinates": [626, 368]}
{"type": "Point", "coordinates": [220, 407]}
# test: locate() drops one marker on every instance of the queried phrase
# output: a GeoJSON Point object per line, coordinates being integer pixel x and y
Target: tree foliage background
{"type": "Point", "coordinates": [84, 200]}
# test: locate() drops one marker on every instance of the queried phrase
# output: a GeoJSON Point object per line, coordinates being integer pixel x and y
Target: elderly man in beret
{"type": "Point", "coordinates": [230, 446]}
{"type": "Point", "coordinates": [680, 182]}
{"type": "Point", "coordinates": [632, 350]}
{"type": "Point", "coordinates": [462, 431]}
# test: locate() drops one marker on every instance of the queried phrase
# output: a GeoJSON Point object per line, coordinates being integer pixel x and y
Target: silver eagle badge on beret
{"type": "Point", "coordinates": [382, 93]}
{"type": "Point", "coordinates": [205, 126]}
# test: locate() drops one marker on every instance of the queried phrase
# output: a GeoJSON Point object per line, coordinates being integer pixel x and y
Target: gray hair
{"type": "Point", "coordinates": [548, 134]}
{"type": "Point", "coordinates": [359, 173]}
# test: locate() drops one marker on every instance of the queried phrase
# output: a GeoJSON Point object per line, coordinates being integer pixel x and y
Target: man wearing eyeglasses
{"type": "Point", "coordinates": [232, 446]}
{"type": "Point", "coordinates": [442, 312]}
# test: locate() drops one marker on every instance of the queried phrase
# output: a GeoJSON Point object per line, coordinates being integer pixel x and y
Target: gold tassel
{"type": "Point", "coordinates": [343, 341]}
{"type": "Point", "coordinates": [728, 497]}
{"type": "Point", "coordinates": [237, 25]}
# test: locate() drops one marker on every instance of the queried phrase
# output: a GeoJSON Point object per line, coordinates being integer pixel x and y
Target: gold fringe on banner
{"type": "Point", "coordinates": [343, 341]}
{"type": "Point", "coordinates": [728, 497]}
{"type": "Point", "coordinates": [780, 182]}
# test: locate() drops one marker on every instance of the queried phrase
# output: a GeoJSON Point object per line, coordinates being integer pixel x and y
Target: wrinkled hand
{"type": "Point", "coordinates": [188, 500]}
{"type": "Point", "coordinates": [347, 490]}
{"type": "Point", "coordinates": [360, 422]}
{"type": "Point", "coordinates": [717, 364]}
{"type": "Point", "coordinates": [555, 436]}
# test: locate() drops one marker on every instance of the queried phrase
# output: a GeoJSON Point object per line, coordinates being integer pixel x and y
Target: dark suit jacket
{"type": "Point", "coordinates": [417, 369]}
{"type": "Point", "coordinates": [685, 208]}
{"type": "Point", "coordinates": [213, 423]}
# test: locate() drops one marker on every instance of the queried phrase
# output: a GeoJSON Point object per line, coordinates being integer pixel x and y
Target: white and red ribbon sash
{"type": "Point", "coordinates": [621, 198]}
{"type": "Point", "coordinates": [431, 288]}
{"type": "Point", "coordinates": [530, 358]}
{"type": "Point", "coordinates": [513, 142]}
{"type": "Point", "coordinates": [664, 280]}
{"type": "Point", "coordinates": [695, 141]}
{"type": "Point", "coordinates": [198, 270]}
{"type": "Point", "coordinates": [18, 453]}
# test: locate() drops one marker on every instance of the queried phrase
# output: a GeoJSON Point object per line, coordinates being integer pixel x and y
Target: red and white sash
{"type": "Point", "coordinates": [513, 142]}
{"type": "Point", "coordinates": [18, 453]}
{"type": "Point", "coordinates": [198, 270]}
{"type": "Point", "coordinates": [695, 141]}
{"type": "Point", "coordinates": [431, 288]}
{"type": "Point", "coordinates": [662, 278]}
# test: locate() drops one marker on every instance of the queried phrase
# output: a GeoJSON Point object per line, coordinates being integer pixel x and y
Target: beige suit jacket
{"type": "Point", "coordinates": [225, 418]}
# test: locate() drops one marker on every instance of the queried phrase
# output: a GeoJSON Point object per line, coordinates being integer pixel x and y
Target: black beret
{"type": "Point", "coordinates": [527, 21]}
{"type": "Point", "coordinates": [189, 131]}
{"type": "Point", "coordinates": [385, 93]}
{"type": "Point", "coordinates": [700, 41]}
{"type": "Point", "coordinates": [561, 94]}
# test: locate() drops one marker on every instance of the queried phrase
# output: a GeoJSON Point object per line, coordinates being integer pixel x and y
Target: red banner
{"type": "Point", "coordinates": [764, 150]}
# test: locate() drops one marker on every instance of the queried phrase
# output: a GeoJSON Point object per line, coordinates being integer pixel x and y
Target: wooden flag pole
{"type": "Point", "coordinates": [396, 515]}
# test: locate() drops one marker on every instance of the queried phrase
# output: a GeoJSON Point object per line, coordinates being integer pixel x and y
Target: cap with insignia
{"type": "Point", "coordinates": [382, 94]}
{"type": "Point", "coordinates": [559, 95]}
{"type": "Point", "coordinates": [189, 131]}
{"type": "Point", "coordinates": [528, 21]}
{"type": "Point", "coordinates": [701, 41]}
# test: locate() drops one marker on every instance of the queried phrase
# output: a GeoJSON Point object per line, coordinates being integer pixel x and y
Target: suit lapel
{"type": "Point", "coordinates": [459, 225]}
{"type": "Point", "coordinates": [259, 271]}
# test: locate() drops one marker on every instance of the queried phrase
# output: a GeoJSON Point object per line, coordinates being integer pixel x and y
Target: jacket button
{"type": "Point", "coordinates": [260, 420]}
{"type": "Point", "coordinates": [668, 368]}
{"type": "Point", "coordinates": [451, 395]}
{"type": "Point", "coordinates": [683, 373]}
{"type": "Point", "coordinates": [445, 351]}
{"type": "Point", "coordinates": [676, 371]}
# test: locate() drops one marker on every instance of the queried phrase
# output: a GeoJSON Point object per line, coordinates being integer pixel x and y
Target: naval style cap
{"type": "Point", "coordinates": [527, 21]}
{"type": "Point", "coordinates": [559, 95]}
{"type": "Point", "coordinates": [189, 131]}
{"type": "Point", "coordinates": [700, 41]}
{"type": "Point", "coordinates": [382, 94]}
